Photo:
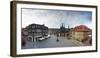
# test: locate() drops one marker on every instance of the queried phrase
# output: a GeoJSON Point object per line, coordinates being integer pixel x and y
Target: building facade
{"type": "Point", "coordinates": [81, 33]}
{"type": "Point", "coordinates": [64, 31]}
{"type": "Point", "coordinates": [24, 36]}
{"type": "Point", "coordinates": [53, 31]}
{"type": "Point", "coordinates": [36, 30]}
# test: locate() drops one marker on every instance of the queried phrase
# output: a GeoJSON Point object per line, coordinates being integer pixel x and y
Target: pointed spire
{"type": "Point", "coordinates": [62, 25]}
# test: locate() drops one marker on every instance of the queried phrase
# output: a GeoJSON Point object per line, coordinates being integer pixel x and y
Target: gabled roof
{"type": "Point", "coordinates": [81, 28]}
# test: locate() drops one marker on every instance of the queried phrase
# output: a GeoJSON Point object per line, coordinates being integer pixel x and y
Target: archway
{"type": "Point", "coordinates": [30, 38]}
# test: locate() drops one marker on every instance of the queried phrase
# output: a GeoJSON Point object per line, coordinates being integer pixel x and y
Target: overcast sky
{"type": "Point", "coordinates": [54, 18]}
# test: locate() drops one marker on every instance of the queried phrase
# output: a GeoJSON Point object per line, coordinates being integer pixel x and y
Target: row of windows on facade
{"type": "Point", "coordinates": [37, 26]}
{"type": "Point", "coordinates": [38, 29]}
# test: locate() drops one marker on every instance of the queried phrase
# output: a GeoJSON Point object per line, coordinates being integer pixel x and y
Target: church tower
{"type": "Point", "coordinates": [62, 30]}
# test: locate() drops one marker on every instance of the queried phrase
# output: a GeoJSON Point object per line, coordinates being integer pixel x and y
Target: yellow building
{"type": "Point", "coordinates": [81, 33]}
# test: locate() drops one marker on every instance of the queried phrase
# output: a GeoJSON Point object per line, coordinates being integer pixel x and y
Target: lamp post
{"type": "Point", "coordinates": [57, 37]}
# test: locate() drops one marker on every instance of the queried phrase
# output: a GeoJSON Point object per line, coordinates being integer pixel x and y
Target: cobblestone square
{"type": "Point", "coordinates": [53, 43]}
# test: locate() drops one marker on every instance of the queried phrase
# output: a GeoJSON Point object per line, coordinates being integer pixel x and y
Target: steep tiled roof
{"type": "Point", "coordinates": [81, 28]}
{"type": "Point", "coordinates": [24, 29]}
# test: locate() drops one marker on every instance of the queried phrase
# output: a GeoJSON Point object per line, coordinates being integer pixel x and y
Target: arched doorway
{"type": "Point", "coordinates": [30, 38]}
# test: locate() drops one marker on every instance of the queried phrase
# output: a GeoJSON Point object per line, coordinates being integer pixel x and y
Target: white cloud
{"type": "Point", "coordinates": [53, 18]}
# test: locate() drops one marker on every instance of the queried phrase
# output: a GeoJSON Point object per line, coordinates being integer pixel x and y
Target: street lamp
{"type": "Point", "coordinates": [57, 37]}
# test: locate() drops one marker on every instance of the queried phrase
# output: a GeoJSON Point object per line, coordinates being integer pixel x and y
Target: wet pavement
{"type": "Point", "coordinates": [53, 43]}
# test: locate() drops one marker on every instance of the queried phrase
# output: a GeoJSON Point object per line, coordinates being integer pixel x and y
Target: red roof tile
{"type": "Point", "coordinates": [81, 28]}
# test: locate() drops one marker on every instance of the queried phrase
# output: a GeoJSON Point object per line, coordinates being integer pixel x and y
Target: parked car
{"type": "Point", "coordinates": [48, 36]}
{"type": "Point", "coordinates": [42, 38]}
